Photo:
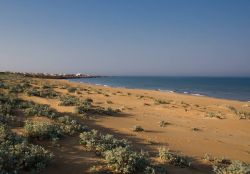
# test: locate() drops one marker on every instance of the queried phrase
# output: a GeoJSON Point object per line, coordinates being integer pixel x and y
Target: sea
{"type": "Point", "coordinates": [235, 88]}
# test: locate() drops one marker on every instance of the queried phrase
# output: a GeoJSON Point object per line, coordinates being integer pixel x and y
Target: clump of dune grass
{"type": "Point", "coordinates": [17, 154]}
{"type": "Point", "coordinates": [214, 115]}
{"type": "Point", "coordinates": [196, 129]}
{"type": "Point", "coordinates": [42, 130]}
{"type": "Point", "coordinates": [44, 93]}
{"type": "Point", "coordinates": [155, 169]}
{"type": "Point", "coordinates": [160, 101]}
{"type": "Point", "coordinates": [137, 128]}
{"type": "Point", "coordinates": [41, 110]}
{"type": "Point", "coordinates": [172, 158]}
{"type": "Point", "coordinates": [68, 100]}
{"type": "Point", "coordinates": [225, 166]}
{"type": "Point", "coordinates": [72, 89]}
{"type": "Point", "coordinates": [70, 126]}
{"type": "Point", "coordinates": [109, 102]}
{"type": "Point", "coordinates": [163, 123]}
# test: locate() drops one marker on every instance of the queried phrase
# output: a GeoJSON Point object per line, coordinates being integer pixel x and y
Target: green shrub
{"type": "Point", "coordinates": [68, 101]}
{"type": "Point", "coordinates": [164, 123]}
{"type": "Point", "coordinates": [96, 110]}
{"type": "Point", "coordinates": [72, 89]}
{"type": "Point", "coordinates": [124, 160]}
{"type": "Point", "coordinates": [44, 93]}
{"type": "Point", "coordinates": [33, 92]}
{"type": "Point", "coordinates": [70, 126]}
{"type": "Point", "coordinates": [16, 154]}
{"type": "Point", "coordinates": [41, 110]}
{"type": "Point", "coordinates": [87, 102]}
{"type": "Point", "coordinates": [214, 115]}
{"type": "Point", "coordinates": [93, 140]}
{"type": "Point", "coordinates": [16, 89]}
{"type": "Point", "coordinates": [172, 158]}
{"type": "Point", "coordinates": [155, 170]}
{"type": "Point", "coordinates": [42, 130]}
{"type": "Point", "coordinates": [224, 166]}
{"type": "Point", "coordinates": [243, 114]}
{"type": "Point", "coordinates": [137, 128]}
{"type": "Point", "coordinates": [159, 101]}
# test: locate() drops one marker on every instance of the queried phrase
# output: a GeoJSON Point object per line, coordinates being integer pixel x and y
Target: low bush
{"type": "Point", "coordinates": [159, 101]}
{"type": "Point", "coordinates": [96, 110]}
{"type": "Point", "coordinates": [224, 166]}
{"type": "Point", "coordinates": [137, 128]}
{"type": "Point", "coordinates": [93, 140]}
{"type": "Point", "coordinates": [70, 126]}
{"type": "Point", "coordinates": [173, 158]}
{"type": "Point", "coordinates": [16, 154]}
{"type": "Point", "coordinates": [87, 102]}
{"type": "Point", "coordinates": [243, 114]}
{"type": "Point", "coordinates": [42, 130]}
{"type": "Point", "coordinates": [16, 89]}
{"type": "Point", "coordinates": [214, 115]}
{"type": "Point", "coordinates": [68, 101]}
{"type": "Point", "coordinates": [164, 123]}
{"type": "Point", "coordinates": [72, 89]}
{"type": "Point", "coordinates": [44, 93]}
{"type": "Point", "coordinates": [41, 110]}
{"type": "Point", "coordinates": [155, 170]}
{"type": "Point", "coordinates": [124, 160]}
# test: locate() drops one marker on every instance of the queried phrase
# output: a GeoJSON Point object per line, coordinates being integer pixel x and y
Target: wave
{"type": "Point", "coordinates": [196, 94]}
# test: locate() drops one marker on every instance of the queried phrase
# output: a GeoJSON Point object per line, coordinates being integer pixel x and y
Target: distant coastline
{"type": "Point", "coordinates": [218, 87]}
{"type": "Point", "coordinates": [54, 76]}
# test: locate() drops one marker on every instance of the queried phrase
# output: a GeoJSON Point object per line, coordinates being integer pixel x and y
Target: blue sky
{"type": "Point", "coordinates": [126, 37]}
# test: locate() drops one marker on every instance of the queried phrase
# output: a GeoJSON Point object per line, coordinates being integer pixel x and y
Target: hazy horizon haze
{"type": "Point", "coordinates": [141, 37]}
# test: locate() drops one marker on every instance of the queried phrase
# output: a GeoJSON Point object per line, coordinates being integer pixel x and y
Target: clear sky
{"type": "Point", "coordinates": [126, 37]}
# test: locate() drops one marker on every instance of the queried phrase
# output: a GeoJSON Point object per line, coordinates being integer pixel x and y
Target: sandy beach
{"type": "Point", "coordinates": [192, 126]}
{"type": "Point", "coordinates": [195, 125]}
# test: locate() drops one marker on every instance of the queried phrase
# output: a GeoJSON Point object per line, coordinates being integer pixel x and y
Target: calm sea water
{"type": "Point", "coordinates": [237, 88]}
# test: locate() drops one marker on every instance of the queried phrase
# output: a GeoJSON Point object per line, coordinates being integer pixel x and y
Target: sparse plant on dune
{"type": "Point", "coordinates": [16, 154]}
{"type": "Point", "coordinates": [70, 126]}
{"type": "Point", "coordinates": [44, 93]}
{"type": "Point", "coordinates": [160, 101]}
{"type": "Point", "coordinates": [225, 166]}
{"type": "Point", "coordinates": [164, 123]}
{"type": "Point", "coordinates": [68, 100]}
{"type": "Point", "coordinates": [173, 158]}
{"type": "Point", "coordinates": [137, 128]}
{"type": "Point", "coordinates": [124, 160]}
{"type": "Point", "coordinates": [41, 110]}
{"type": "Point", "coordinates": [42, 130]}
{"type": "Point", "coordinates": [72, 89]}
{"type": "Point", "coordinates": [94, 140]}
{"type": "Point", "coordinates": [86, 109]}
{"type": "Point", "coordinates": [214, 115]}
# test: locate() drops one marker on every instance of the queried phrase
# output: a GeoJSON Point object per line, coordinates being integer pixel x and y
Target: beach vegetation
{"type": "Point", "coordinates": [41, 110]}
{"type": "Point", "coordinates": [225, 166]}
{"type": "Point", "coordinates": [72, 89]}
{"type": "Point", "coordinates": [124, 160]}
{"type": "Point", "coordinates": [42, 130]}
{"type": "Point", "coordinates": [17, 154]}
{"type": "Point", "coordinates": [173, 158]}
{"type": "Point", "coordinates": [137, 128]}
{"type": "Point", "coordinates": [44, 93]}
{"type": "Point", "coordinates": [160, 101]}
{"type": "Point", "coordinates": [164, 123]}
{"type": "Point", "coordinates": [214, 115]}
{"type": "Point", "coordinates": [70, 126]}
{"type": "Point", "coordinates": [68, 100]}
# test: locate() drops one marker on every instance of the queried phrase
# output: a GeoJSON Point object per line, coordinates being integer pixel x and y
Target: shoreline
{"type": "Point", "coordinates": [160, 90]}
